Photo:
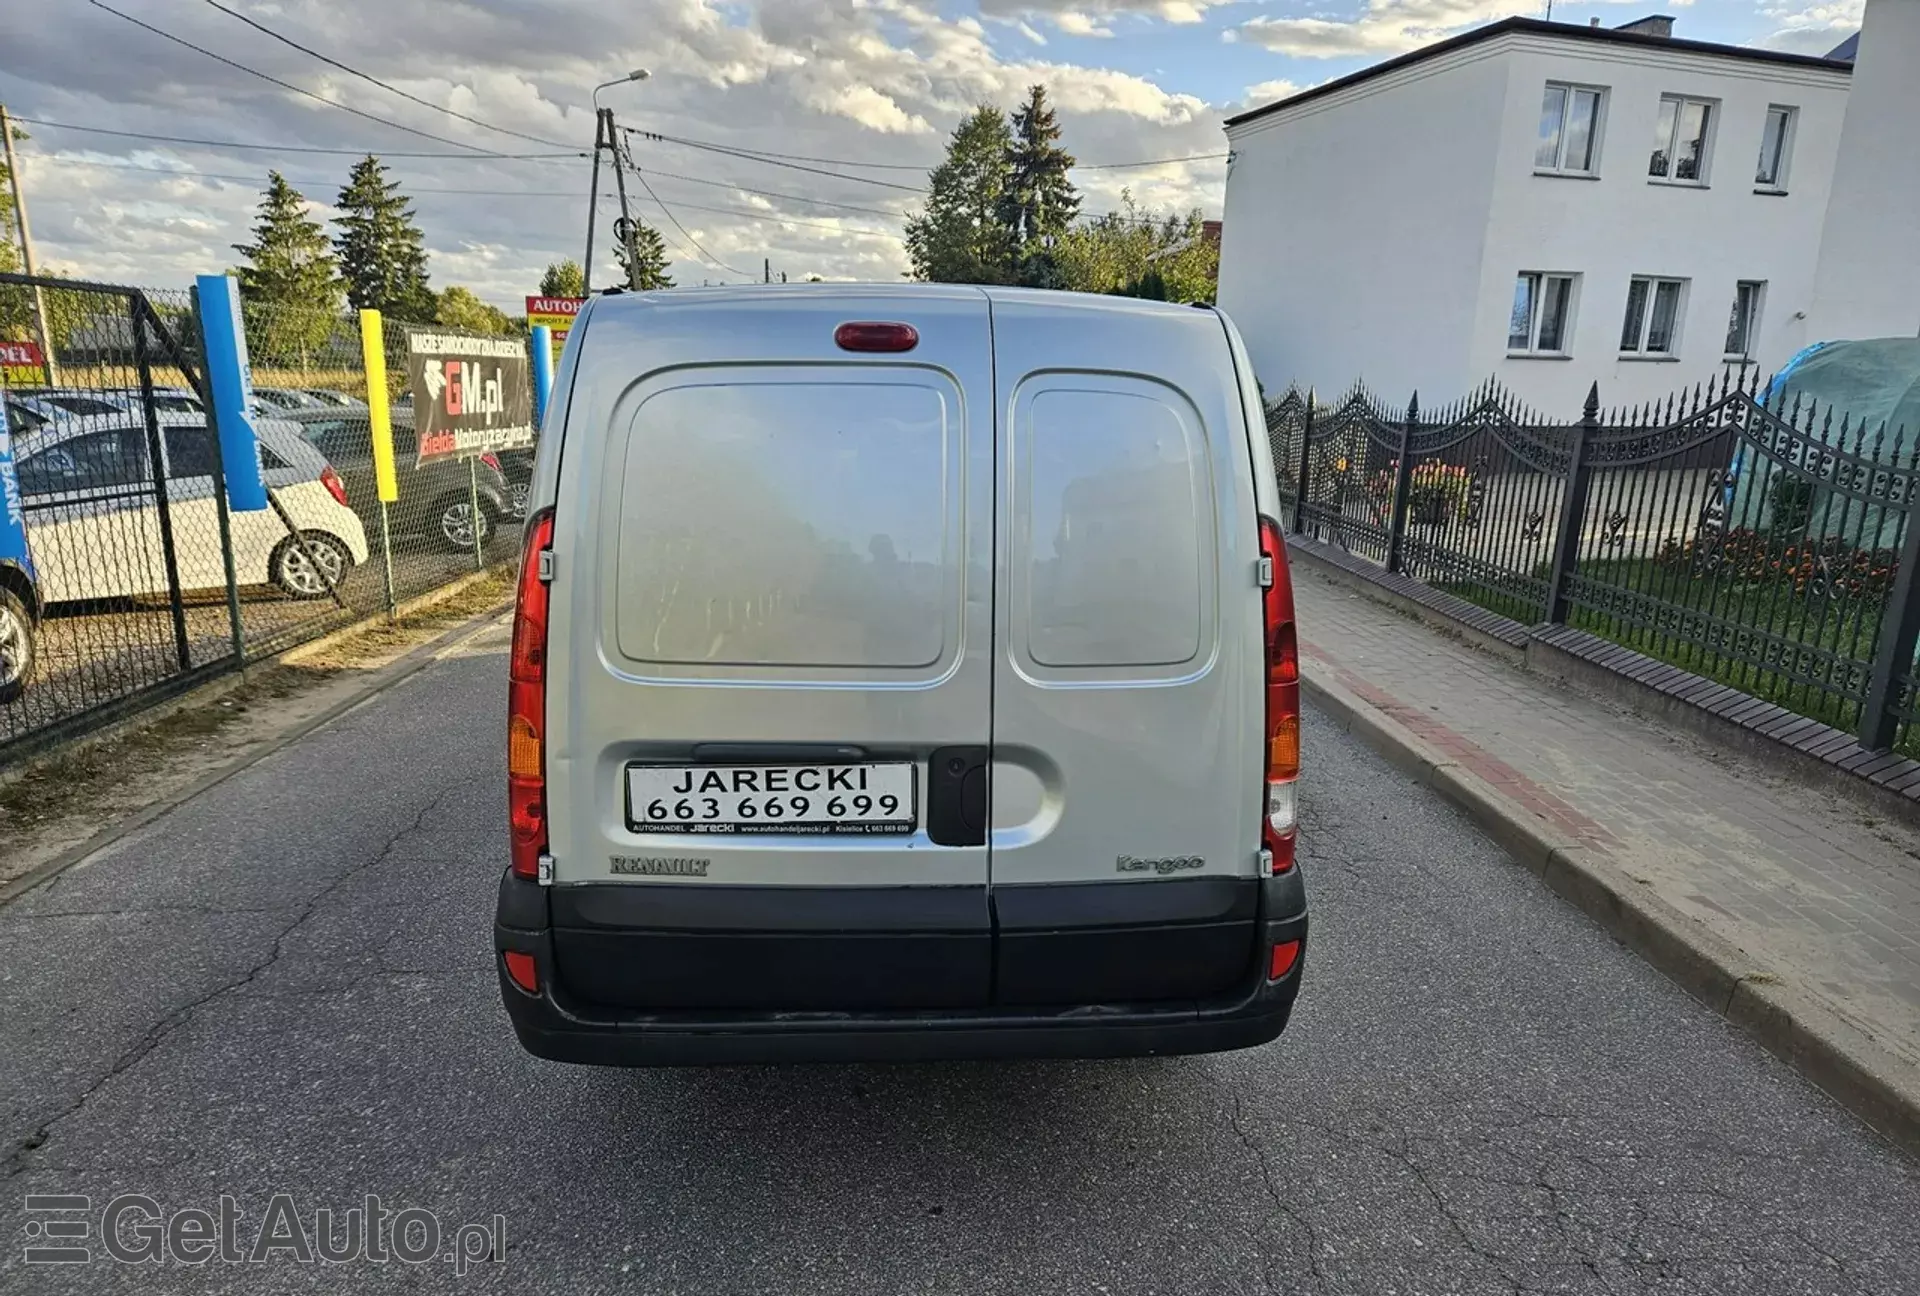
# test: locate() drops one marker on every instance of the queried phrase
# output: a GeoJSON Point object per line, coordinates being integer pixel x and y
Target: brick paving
{"type": "Point", "coordinates": [1820, 892]}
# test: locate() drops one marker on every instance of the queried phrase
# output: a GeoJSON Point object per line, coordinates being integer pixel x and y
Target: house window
{"type": "Point", "coordinates": [1680, 140]}
{"type": "Point", "coordinates": [1774, 140]}
{"type": "Point", "coordinates": [1745, 321]}
{"type": "Point", "coordinates": [1542, 309]}
{"type": "Point", "coordinates": [1653, 316]}
{"type": "Point", "coordinates": [1569, 130]}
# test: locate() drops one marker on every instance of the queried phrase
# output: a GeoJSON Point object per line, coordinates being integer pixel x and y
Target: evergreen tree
{"type": "Point", "coordinates": [652, 252]}
{"type": "Point", "coordinates": [960, 236]}
{"type": "Point", "coordinates": [1039, 202]}
{"type": "Point", "coordinates": [563, 279]}
{"type": "Point", "coordinates": [381, 250]}
{"type": "Point", "coordinates": [289, 285]}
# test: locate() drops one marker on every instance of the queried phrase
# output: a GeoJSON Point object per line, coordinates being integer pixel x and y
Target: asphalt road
{"type": "Point", "coordinates": [285, 985]}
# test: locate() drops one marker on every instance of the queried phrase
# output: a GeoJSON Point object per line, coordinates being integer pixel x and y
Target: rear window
{"type": "Point", "coordinates": [801, 523]}
{"type": "Point", "coordinates": [1113, 514]}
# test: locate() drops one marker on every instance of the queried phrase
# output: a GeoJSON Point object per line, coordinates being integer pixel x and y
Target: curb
{"type": "Point", "coordinates": [1825, 1048]}
{"type": "Point", "coordinates": [400, 669]}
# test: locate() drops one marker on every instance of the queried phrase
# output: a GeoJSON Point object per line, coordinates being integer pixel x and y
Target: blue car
{"type": "Point", "coordinates": [19, 585]}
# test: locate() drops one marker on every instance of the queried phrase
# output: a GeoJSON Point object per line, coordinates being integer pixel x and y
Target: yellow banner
{"type": "Point", "coordinates": [373, 347]}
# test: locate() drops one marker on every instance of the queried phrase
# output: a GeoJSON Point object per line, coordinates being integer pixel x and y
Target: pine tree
{"type": "Point", "coordinates": [381, 250]}
{"type": "Point", "coordinates": [563, 279]}
{"type": "Point", "coordinates": [289, 285]}
{"type": "Point", "coordinates": [1040, 202]}
{"type": "Point", "coordinates": [960, 236]}
{"type": "Point", "coordinates": [652, 250]}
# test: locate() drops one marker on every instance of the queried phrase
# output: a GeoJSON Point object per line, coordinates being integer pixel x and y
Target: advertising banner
{"type": "Point", "coordinates": [471, 395]}
{"type": "Point", "coordinates": [556, 313]}
{"type": "Point", "coordinates": [20, 355]}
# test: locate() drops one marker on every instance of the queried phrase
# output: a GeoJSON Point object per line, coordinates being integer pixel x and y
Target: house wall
{"type": "Point", "coordinates": [1622, 224]}
{"type": "Point", "coordinates": [1376, 232]}
{"type": "Point", "coordinates": [1869, 269]}
{"type": "Point", "coordinates": [1354, 227]}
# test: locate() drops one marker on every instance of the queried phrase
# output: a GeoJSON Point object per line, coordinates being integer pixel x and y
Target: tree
{"type": "Point", "coordinates": [652, 250]}
{"type": "Point", "coordinates": [563, 279]}
{"type": "Point", "coordinates": [1138, 254]}
{"type": "Point", "coordinates": [382, 254]}
{"type": "Point", "coordinates": [290, 290]}
{"type": "Point", "coordinates": [959, 237]}
{"type": "Point", "coordinates": [459, 308]}
{"type": "Point", "coordinates": [1039, 202]}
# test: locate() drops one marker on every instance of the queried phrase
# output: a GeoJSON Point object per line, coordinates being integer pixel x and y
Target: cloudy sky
{"type": "Point", "coordinates": [856, 97]}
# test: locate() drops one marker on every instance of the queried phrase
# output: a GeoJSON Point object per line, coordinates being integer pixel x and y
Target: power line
{"type": "Point", "coordinates": [766, 155]}
{"type": "Point", "coordinates": [299, 148]}
{"type": "Point", "coordinates": [1124, 166]}
{"type": "Point", "coordinates": [354, 71]}
{"type": "Point", "coordinates": [770, 161]}
{"type": "Point", "coordinates": [285, 85]}
{"type": "Point", "coordinates": [641, 177]}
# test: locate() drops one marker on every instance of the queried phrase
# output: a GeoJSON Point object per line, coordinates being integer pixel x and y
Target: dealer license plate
{"type": "Point", "coordinates": [866, 798]}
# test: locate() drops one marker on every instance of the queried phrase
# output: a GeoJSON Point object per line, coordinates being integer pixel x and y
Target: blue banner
{"type": "Point", "coordinates": [231, 380]}
{"type": "Point", "coordinates": [542, 372]}
{"type": "Point", "coordinates": [13, 519]}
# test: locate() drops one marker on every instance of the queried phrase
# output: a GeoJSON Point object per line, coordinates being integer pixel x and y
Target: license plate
{"type": "Point", "coordinates": [860, 799]}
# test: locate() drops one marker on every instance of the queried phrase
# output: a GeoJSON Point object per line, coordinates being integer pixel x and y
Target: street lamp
{"type": "Point", "coordinates": [638, 74]}
{"type": "Point", "coordinates": [603, 129]}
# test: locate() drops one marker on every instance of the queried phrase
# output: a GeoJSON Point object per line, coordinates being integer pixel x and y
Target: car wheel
{"type": "Point", "coordinates": [455, 521]}
{"type": "Point", "coordinates": [16, 646]}
{"type": "Point", "coordinates": [309, 578]}
{"type": "Point", "coordinates": [517, 500]}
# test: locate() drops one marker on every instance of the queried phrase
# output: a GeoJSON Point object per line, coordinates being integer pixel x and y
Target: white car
{"type": "Point", "coordinates": [93, 517]}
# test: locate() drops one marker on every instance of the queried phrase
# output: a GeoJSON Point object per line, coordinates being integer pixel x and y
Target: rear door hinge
{"type": "Point", "coordinates": [546, 567]}
{"type": "Point", "coordinates": [1264, 570]}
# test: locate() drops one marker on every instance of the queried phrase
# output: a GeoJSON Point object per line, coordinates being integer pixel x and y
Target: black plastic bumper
{"type": "Point", "coordinates": [558, 1023]}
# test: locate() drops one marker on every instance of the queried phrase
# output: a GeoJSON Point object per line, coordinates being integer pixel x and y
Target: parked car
{"type": "Point", "coordinates": [66, 402]}
{"type": "Point", "coordinates": [436, 499]}
{"type": "Point", "coordinates": [333, 399]}
{"type": "Point", "coordinates": [517, 467]}
{"type": "Point", "coordinates": [901, 672]}
{"type": "Point", "coordinates": [93, 518]}
{"type": "Point", "coordinates": [285, 399]}
{"type": "Point", "coordinates": [19, 584]}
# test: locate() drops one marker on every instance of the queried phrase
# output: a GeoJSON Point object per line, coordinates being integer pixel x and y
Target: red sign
{"type": "Point", "coordinates": [555, 312]}
{"type": "Point", "coordinates": [20, 355]}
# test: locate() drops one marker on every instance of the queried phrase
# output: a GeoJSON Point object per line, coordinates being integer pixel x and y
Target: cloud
{"type": "Point", "coordinates": [877, 81]}
{"type": "Point", "coordinates": [1804, 28]}
{"type": "Point", "coordinates": [1385, 27]}
{"type": "Point", "coordinates": [1075, 23]}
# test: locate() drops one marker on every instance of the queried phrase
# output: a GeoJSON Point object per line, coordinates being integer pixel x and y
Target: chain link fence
{"type": "Point", "coordinates": [134, 577]}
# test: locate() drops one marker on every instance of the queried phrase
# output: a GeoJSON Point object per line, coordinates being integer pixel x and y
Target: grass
{"type": "Point", "coordinates": [1847, 628]}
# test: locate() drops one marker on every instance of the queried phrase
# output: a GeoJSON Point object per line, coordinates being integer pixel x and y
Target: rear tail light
{"type": "Point", "coordinates": [527, 707]}
{"type": "Point", "coordinates": [1278, 826]}
{"type": "Point", "coordinates": [491, 460]}
{"type": "Point", "coordinates": [335, 487]}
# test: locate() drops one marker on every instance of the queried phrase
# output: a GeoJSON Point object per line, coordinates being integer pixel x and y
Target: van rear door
{"type": "Point", "coordinates": [771, 712]}
{"type": "Point", "coordinates": [1127, 689]}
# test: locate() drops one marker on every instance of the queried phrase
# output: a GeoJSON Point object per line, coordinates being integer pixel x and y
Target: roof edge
{"type": "Point", "coordinates": [1536, 26]}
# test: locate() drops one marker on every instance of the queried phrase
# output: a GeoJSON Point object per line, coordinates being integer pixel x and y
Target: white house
{"type": "Point", "coordinates": [1542, 203]}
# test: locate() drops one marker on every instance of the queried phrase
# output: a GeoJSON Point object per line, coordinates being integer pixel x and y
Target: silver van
{"type": "Point", "coordinates": [901, 672]}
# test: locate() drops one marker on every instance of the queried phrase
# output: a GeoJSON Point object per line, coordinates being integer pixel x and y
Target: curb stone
{"type": "Point", "coordinates": [1804, 1032]}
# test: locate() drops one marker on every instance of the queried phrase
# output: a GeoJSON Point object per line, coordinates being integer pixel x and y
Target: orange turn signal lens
{"type": "Point", "coordinates": [523, 749]}
{"type": "Point", "coordinates": [522, 972]}
{"type": "Point", "coordinates": [1283, 748]}
{"type": "Point", "coordinates": [1285, 955]}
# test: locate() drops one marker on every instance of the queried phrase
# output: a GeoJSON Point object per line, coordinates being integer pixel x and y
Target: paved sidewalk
{"type": "Point", "coordinates": [1814, 902]}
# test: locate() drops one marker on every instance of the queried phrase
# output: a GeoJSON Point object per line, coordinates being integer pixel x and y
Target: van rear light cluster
{"type": "Point", "coordinates": [1278, 826]}
{"type": "Point", "coordinates": [527, 707]}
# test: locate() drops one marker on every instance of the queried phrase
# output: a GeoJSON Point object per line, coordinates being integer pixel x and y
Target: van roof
{"type": "Point", "coordinates": [624, 302]}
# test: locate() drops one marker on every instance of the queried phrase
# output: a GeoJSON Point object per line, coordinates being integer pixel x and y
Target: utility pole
{"type": "Point", "coordinates": [26, 251]}
{"type": "Point", "coordinates": [593, 206]}
{"type": "Point", "coordinates": [626, 216]}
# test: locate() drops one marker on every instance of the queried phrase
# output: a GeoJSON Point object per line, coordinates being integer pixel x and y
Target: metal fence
{"type": "Point", "coordinates": [138, 579]}
{"type": "Point", "coordinates": [1745, 535]}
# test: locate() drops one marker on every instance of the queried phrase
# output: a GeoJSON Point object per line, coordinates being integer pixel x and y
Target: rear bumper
{"type": "Point", "coordinates": [557, 1023]}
